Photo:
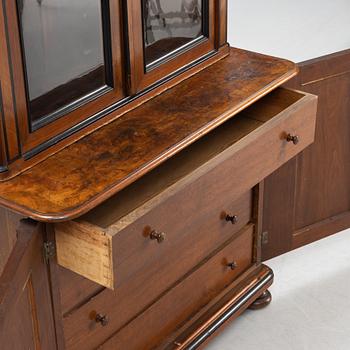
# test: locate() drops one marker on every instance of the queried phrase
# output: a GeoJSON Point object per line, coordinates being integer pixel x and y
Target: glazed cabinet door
{"type": "Point", "coordinates": [167, 35]}
{"type": "Point", "coordinates": [66, 61]}
{"type": "Point", "coordinates": [26, 319]}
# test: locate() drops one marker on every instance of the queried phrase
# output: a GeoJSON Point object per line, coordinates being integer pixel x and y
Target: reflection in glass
{"type": "Point", "coordinates": [63, 52]}
{"type": "Point", "coordinates": [169, 25]}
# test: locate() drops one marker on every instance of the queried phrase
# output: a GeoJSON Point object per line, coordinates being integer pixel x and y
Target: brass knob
{"type": "Point", "coordinates": [293, 138]}
{"type": "Point", "coordinates": [232, 265]}
{"type": "Point", "coordinates": [159, 236]}
{"type": "Point", "coordinates": [233, 219]}
{"type": "Point", "coordinates": [102, 319]}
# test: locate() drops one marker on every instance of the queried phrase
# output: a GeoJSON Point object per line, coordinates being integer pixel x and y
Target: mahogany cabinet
{"type": "Point", "coordinates": [186, 234]}
{"type": "Point", "coordinates": [135, 144]}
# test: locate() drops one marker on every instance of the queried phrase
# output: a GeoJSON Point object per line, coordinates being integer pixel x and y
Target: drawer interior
{"type": "Point", "coordinates": [191, 158]}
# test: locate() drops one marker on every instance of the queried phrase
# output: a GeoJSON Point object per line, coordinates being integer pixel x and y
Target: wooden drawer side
{"type": "Point", "coordinates": [85, 250]}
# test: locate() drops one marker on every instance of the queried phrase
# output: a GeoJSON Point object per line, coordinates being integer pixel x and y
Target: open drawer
{"type": "Point", "coordinates": [184, 205]}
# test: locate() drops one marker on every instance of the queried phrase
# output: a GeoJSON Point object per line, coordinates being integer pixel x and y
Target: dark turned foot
{"type": "Point", "coordinates": [262, 301]}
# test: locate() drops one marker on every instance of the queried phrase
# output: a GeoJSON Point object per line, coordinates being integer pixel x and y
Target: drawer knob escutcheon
{"type": "Point", "coordinates": [232, 218]}
{"type": "Point", "coordinates": [102, 319]}
{"type": "Point", "coordinates": [232, 265]}
{"type": "Point", "coordinates": [159, 236]}
{"type": "Point", "coordinates": [293, 138]}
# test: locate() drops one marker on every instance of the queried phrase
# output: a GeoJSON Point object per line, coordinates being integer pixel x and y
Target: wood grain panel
{"type": "Point", "coordinates": [278, 208]}
{"type": "Point", "coordinates": [82, 292]}
{"type": "Point", "coordinates": [323, 170]}
{"type": "Point", "coordinates": [8, 235]}
{"type": "Point", "coordinates": [315, 185]}
{"type": "Point", "coordinates": [87, 251]}
{"type": "Point", "coordinates": [6, 87]}
{"type": "Point", "coordinates": [26, 336]}
{"type": "Point", "coordinates": [26, 320]}
{"type": "Point", "coordinates": [3, 146]}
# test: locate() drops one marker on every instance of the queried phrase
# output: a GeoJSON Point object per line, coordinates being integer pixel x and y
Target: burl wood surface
{"type": "Point", "coordinates": [86, 173]}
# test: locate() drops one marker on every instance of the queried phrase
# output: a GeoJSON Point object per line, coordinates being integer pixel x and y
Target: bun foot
{"type": "Point", "coordinates": [264, 300]}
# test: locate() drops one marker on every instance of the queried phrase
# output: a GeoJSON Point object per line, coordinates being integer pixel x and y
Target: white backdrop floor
{"type": "Point", "coordinates": [310, 309]}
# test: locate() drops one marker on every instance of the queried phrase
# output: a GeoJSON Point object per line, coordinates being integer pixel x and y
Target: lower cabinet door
{"type": "Point", "coordinates": [26, 318]}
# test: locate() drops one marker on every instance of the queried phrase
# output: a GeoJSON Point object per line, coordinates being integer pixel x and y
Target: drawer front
{"type": "Point", "coordinates": [75, 289]}
{"type": "Point", "coordinates": [186, 298]}
{"type": "Point", "coordinates": [194, 221]}
{"type": "Point", "coordinates": [214, 225]}
{"type": "Point", "coordinates": [193, 226]}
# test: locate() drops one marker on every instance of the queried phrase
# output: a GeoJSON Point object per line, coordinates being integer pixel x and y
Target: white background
{"type": "Point", "coordinates": [294, 29]}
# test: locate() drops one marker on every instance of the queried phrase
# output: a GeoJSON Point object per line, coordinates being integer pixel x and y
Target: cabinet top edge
{"type": "Point", "coordinates": [84, 174]}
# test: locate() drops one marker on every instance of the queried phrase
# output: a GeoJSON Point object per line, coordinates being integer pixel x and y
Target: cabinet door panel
{"type": "Point", "coordinates": [26, 316]}
{"type": "Point", "coordinates": [167, 35]}
{"type": "Point", "coordinates": [63, 48]}
{"type": "Point", "coordinates": [67, 65]}
{"type": "Point", "coordinates": [315, 185]}
{"type": "Point", "coordinates": [169, 26]}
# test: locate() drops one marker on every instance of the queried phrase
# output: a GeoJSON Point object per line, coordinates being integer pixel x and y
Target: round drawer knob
{"type": "Point", "coordinates": [158, 236]}
{"type": "Point", "coordinates": [232, 265]}
{"type": "Point", "coordinates": [232, 218]}
{"type": "Point", "coordinates": [293, 138]}
{"type": "Point", "coordinates": [102, 319]}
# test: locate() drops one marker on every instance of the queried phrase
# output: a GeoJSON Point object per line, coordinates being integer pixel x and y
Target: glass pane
{"type": "Point", "coordinates": [169, 25]}
{"type": "Point", "coordinates": [63, 52]}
